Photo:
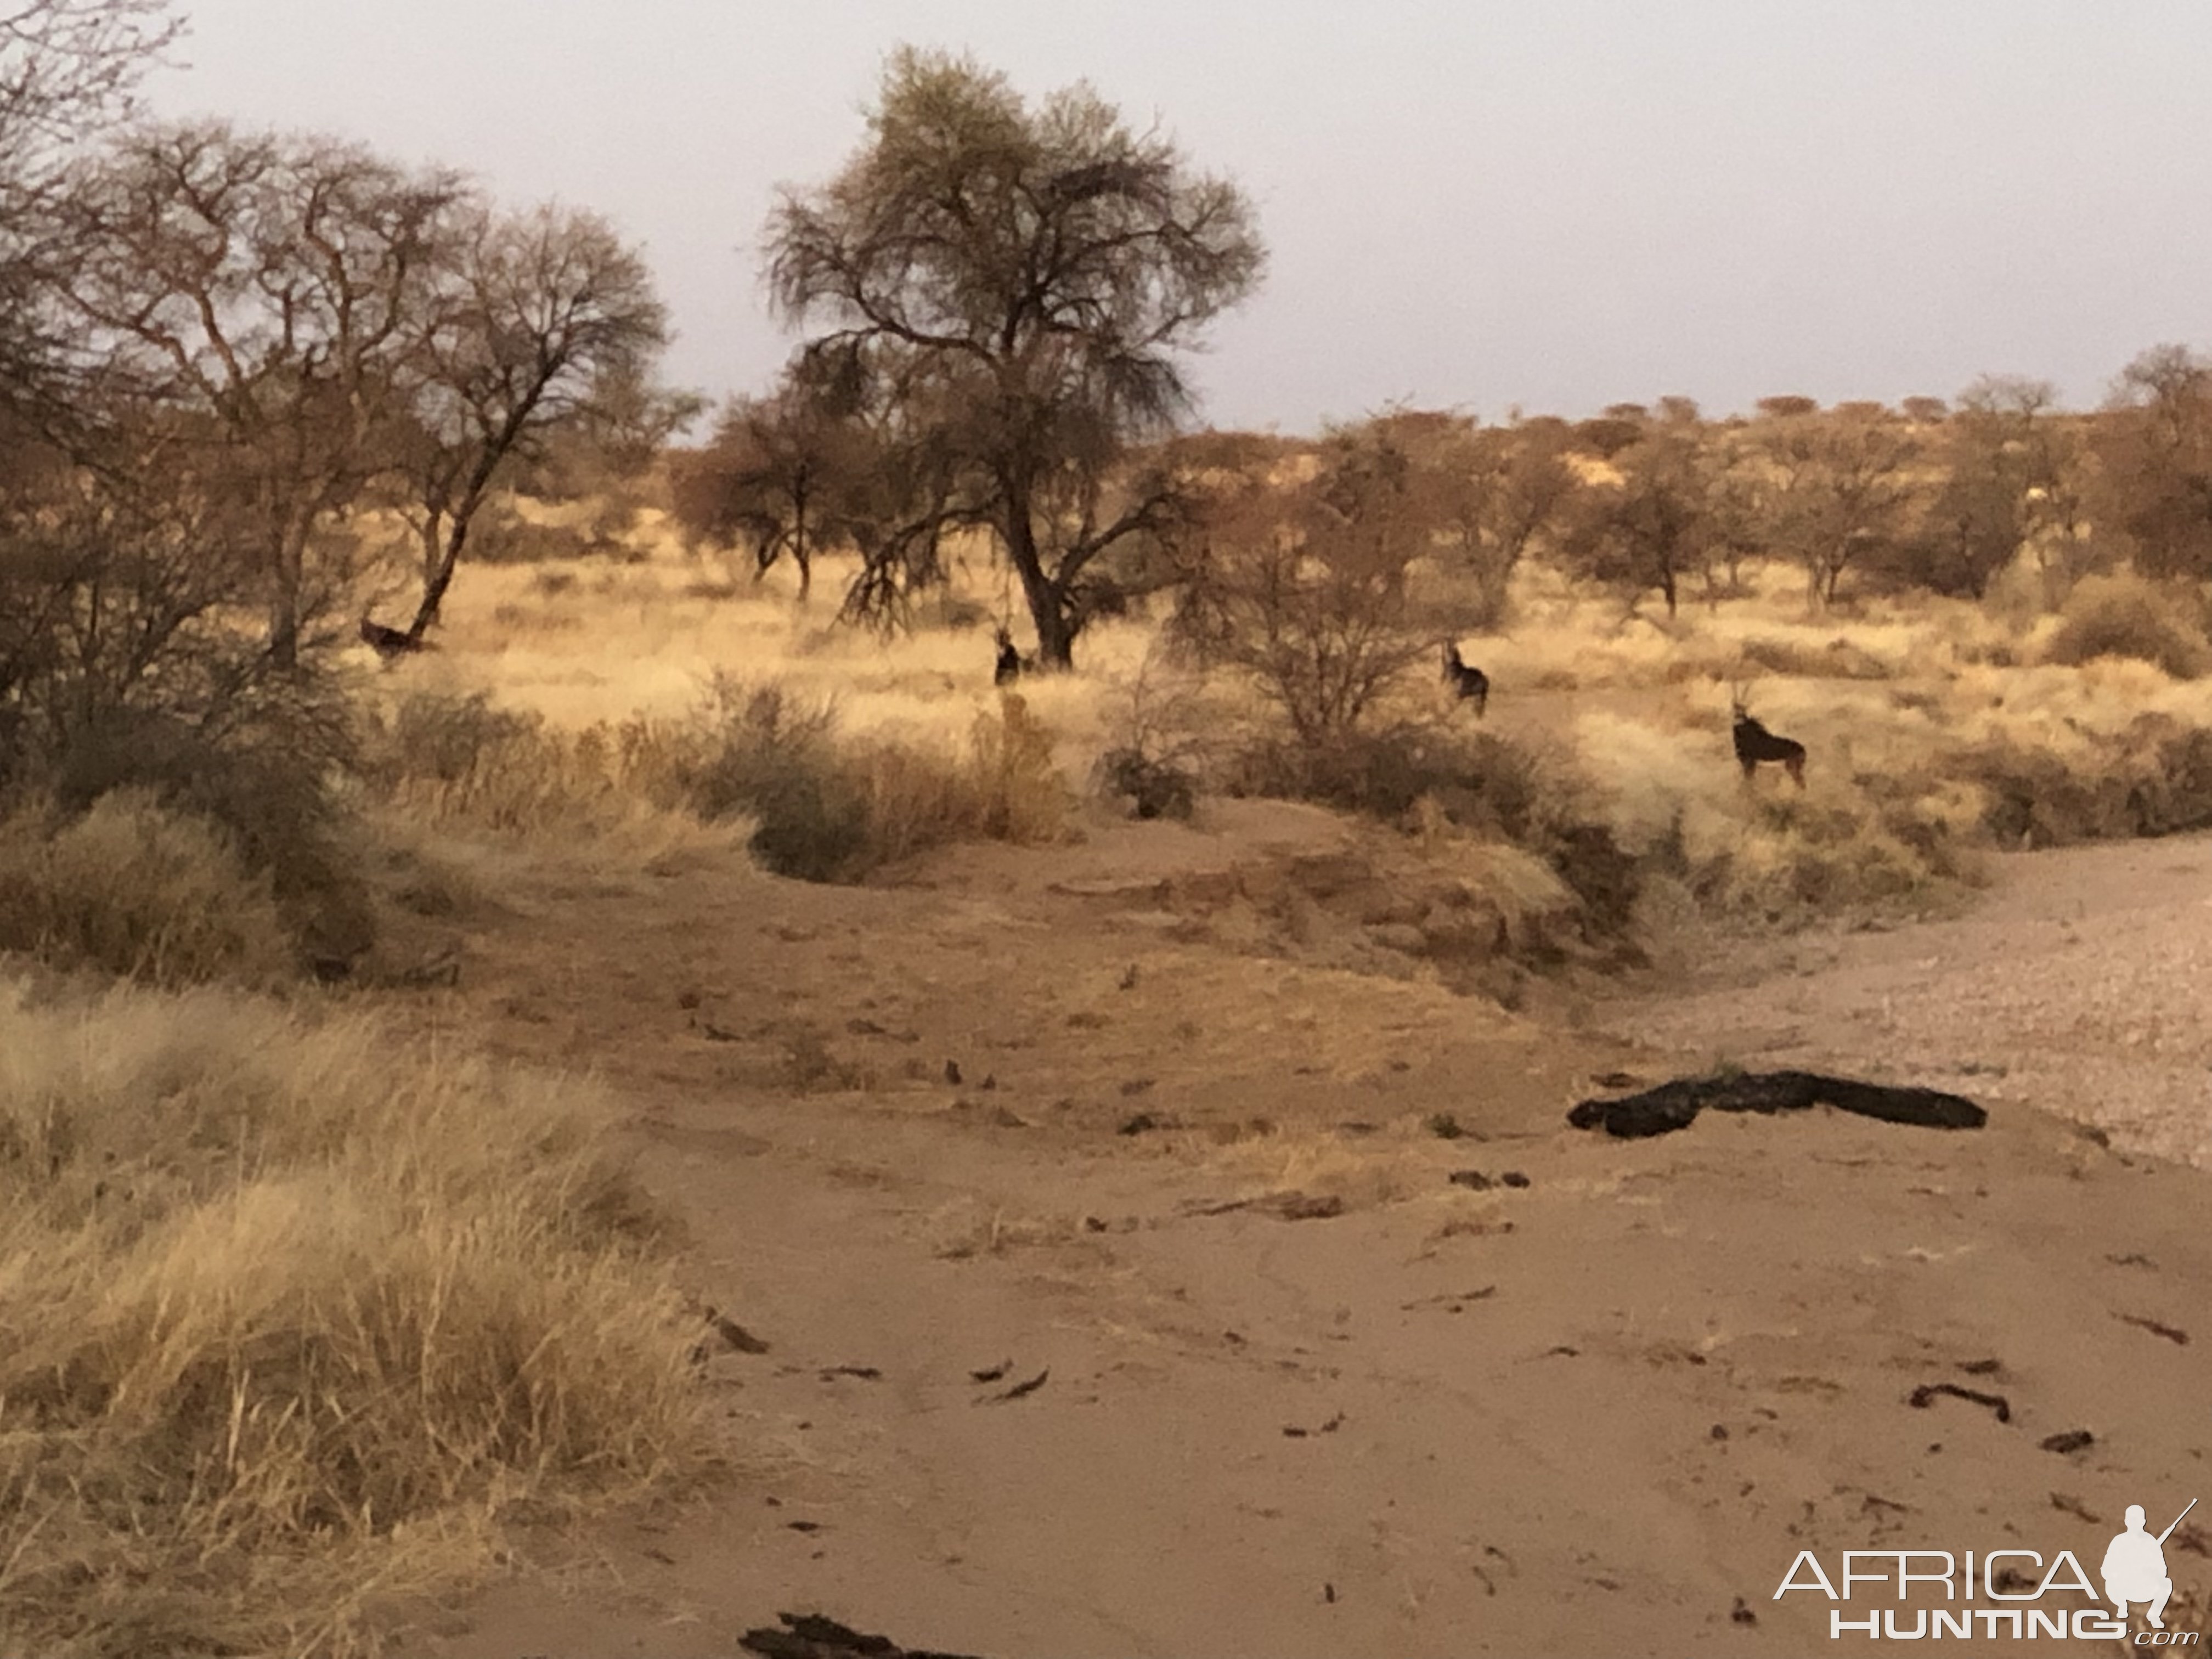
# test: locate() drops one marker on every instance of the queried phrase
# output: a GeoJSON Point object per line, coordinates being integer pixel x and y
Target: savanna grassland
{"type": "Point", "coordinates": [930, 1006]}
{"type": "Point", "coordinates": [493, 1155]}
{"type": "Point", "coordinates": [1170, 1038]}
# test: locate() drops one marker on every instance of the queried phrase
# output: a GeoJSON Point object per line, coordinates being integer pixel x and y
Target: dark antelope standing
{"type": "Point", "coordinates": [1754, 744]}
{"type": "Point", "coordinates": [1468, 684]}
{"type": "Point", "coordinates": [389, 642]}
{"type": "Point", "coordinates": [1010, 661]}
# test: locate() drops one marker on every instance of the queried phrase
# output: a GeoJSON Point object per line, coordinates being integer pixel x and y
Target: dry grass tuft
{"type": "Point", "coordinates": [1319, 1164]}
{"type": "Point", "coordinates": [133, 888]}
{"type": "Point", "coordinates": [266, 784]}
{"type": "Point", "coordinates": [819, 805]}
{"type": "Point", "coordinates": [830, 808]}
{"type": "Point", "coordinates": [287, 1322]}
{"type": "Point", "coordinates": [968, 1227]}
{"type": "Point", "coordinates": [465, 760]}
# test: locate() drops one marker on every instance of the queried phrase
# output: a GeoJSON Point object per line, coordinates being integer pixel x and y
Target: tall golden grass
{"type": "Point", "coordinates": [1940, 729]}
{"type": "Point", "coordinates": [821, 803]}
{"type": "Point", "coordinates": [133, 888]}
{"type": "Point", "coordinates": [290, 1321]}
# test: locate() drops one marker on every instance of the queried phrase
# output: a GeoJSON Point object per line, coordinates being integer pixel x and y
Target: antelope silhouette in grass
{"type": "Point", "coordinates": [1755, 744]}
{"type": "Point", "coordinates": [1468, 683]}
{"type": "Point", "coordinates": [390, 643]}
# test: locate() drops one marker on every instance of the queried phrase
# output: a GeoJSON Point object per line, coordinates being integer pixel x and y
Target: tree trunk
{"type": "Point", "coordinates": [437, 580]}
{"type": "Point", "coordinates": [441, 562]}
{"type": "Point", "coordinates": [283, 636]}
{"type": "Point", "coordinates": [1055, 639]}
{"type": "Point", "coordinates": [437, 574]}
{"type": "Point", "coordinates": [284, 600]}
{"type": "Point", "coordinates": [442, 557]}
{"type": "Point", "coordinates": [1494, 581]}
{"type": "Point", "coordinates": [1047, 608]}
{"type": "Point", "coordinates": [800, 555]}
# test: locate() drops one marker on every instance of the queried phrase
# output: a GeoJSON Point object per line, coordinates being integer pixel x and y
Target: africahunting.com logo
{"type": "Point", "coordinates": [2023, 1597]}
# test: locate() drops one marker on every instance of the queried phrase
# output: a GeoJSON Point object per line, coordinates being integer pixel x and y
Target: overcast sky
{"type": "Point", "coordinates": [1552, 204]}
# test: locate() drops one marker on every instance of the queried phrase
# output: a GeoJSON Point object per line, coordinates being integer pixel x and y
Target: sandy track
{"type": "Point", "coordinates": [2079, 986]}
{"type": "Point", "coordinates": [1598, 1414]}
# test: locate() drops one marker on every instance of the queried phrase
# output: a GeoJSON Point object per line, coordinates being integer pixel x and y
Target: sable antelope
{"type": "Point", "coordinates": [1754, 744]}
{"type": "Point", "coordinates": [1468, 684]}
{"type": "Point", "coordinates": [1010, 661]}
{"type": "Point", "coordinates": [389, 642]}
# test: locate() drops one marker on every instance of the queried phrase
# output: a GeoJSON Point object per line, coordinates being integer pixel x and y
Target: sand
{"type": "Point", "coordinates": [1597, 1414]}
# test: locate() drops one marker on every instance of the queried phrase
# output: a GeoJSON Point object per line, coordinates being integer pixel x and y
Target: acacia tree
{"type": "Point", "coordinates": [116, 576]}
{"type": "Point", "coordinates": [536, 313]}
{"type": "Point", "coordinates": [1008, 292]}
{"type": "Point", "coordinates": [68, 69]}
{"type": "Point", "coordinates": [65, 64]}
{"type": "Point", "coordinates": [1653, 530]}
{"type": "Point", "coordinates": [281, 291]}
{"type": "Point", "coordinates": [1495, 490]}
{"type": "Point", "coordinates": [1301, 588]}
{"type": "Point", "coordinates": [1477, 496]}
{"type": "Point", "coordinates": [2154, 441]}
{"type": "Point", "coordinates": [2012, 477]}
{"type": "Point", "coordinates": [782, 476]}
{"type": "Point", "coordinates": [1834, 490]}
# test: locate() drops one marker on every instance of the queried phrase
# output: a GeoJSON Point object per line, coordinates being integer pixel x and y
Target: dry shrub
{"type": "Point", "coordinates": [1906, 794]}
{"type": "Point", "coordinates": [1154, 788]}
{"type": "Point", "coordinates": [1860, 839]}
{"type": "Point", "coordinates": [1383, 773]}
{"type": "Point", "coordinates": [460, 742]}
{"type": "Point", "coordinates": [266, 779]}
{"type": "Point", "coordinates": [131, 888]}
{"type": "Point", "coordinates": [1485, 784]}
{"type": "Point", "coordinates": [830, 809]}
{"type": "Point", "coordinates": [463, 760]}
{"type": "Point", "coordinates": [1299, 588]}
{"type": "Point", "coordinates": [1017, 795]}
{"type": "Point", "coordinates": [1839, 658]}
{"type": "Point", "coordinates": [422, 872]}
{"type": "Point", "coordinates": [1794, 861]}
{"type": "Point", "coordinates": [2154, 778]}
{"type": "Point", "coordinates": [824, 806]}
{"type": "Point", "coordinates": [777, 760]}
{"type": "Point", "coordinates": [1158, 754]}
{"type": "Point", "coordinates": [288, 1319]}
{"type": "Point", "coordinates": [2123, 615]}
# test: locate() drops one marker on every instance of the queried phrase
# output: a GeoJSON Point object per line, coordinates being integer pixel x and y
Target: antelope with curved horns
{"type": "Point", "coordinates": [1754, 744]}
{"type": "Point", "coordinates": [1468, 682]}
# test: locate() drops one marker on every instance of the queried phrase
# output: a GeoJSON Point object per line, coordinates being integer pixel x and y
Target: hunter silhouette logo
{"type": "Point", "coordinates": [2134, 1567]}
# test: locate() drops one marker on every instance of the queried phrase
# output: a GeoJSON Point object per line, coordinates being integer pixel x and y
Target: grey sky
{"type": "Point", "coordinates": [1557, 203]}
